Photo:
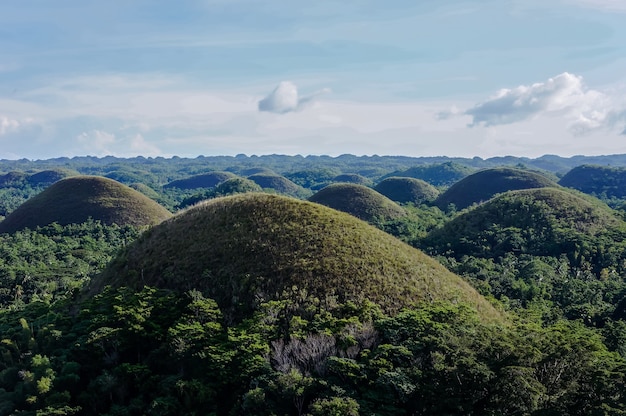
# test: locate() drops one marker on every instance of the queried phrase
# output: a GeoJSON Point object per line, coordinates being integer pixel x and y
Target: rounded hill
{"type": "Point", "coordinates": [438, 174]}
{"type": "Point", "coordinates": [50, 176]}
{"type": "Point", "coordinates": [247, 249]}
{"type": "Point", "coordinates": [78, 198]}
{"type": "Point", "coordinates": [205, 180]}
{"type": "Point", "coordinates": [485, 184]}
{"type": "Point", "coordinates": [358, 200]}
{"type": "Point", "coordinates": [352, 178]}
{"type": "Point", "coordinates": [542, 222]}
{"type": "Point", "coordinates": [407, 190]}
{"type": "Point", "coordinates": [605, 181]}
{"type": "Point", "coordinates": [13, 179]}
{"type": "Point", "coordinates": [277, 183]}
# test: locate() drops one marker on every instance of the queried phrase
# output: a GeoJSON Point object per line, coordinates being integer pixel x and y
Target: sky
{"type": "Point", "coordinates": [224, 77]}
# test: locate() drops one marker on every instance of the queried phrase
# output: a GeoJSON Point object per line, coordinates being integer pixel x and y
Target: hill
{"type": "Point", "coordinates": [352, 178]}
{"type": "Point", "coordinates": [543, 222]}
{"type": "Point", "coordinates": [50, 176]}
{"type": "Point", "coordinates": [205, 180]}
{"type": "Point", "coordinates": [602, 181]}
{"type": "Point", "coordinates": [13, 179]}
{"type": "Point", "coordinates": [78, 198]}
{"type": "Point", "coordinates": [278, 183]}
{"type": "Point", "coordinates": [358, 200]}
{"type": "Point", "coordinates": [437, 174]}
{"type": "Point", "coordinates": [485, 184]}
{"type": "Point", "coordinates": [251, 248]}
{"type": "Point", "coordinates": [407, 190]}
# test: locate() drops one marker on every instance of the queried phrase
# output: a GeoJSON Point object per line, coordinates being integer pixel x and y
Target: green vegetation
{"type": "Point", "coordinates": [260, 304]}
{"type": "Point", "coordinates": [407, 190]}
{"type": "Point", "coordinates": [76, 199]}
{"type": "Point", "coordinates": [485, 184]}
{"type": "Point", "coordinates": [558, 252]}
{"type": "Point", "coordinates": [55, 261]}
{"type": "Point", "coordinates": [360, 201]}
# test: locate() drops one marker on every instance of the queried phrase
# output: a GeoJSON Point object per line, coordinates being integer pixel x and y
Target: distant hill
{"type": "Point", "coordinates": [13, 179]}
{"type": "Point", "coordinates": [542, 222]}
{"type": "Point", "coordinates": [358, 200]}
{"type": "Point", "coordinates": [277, 183]}
{"type": "Point", "coordinates": [50, 176]}
{"type": "Point", "coordinates": [230, 186]}
{"type": "Point", "coordinates": [407, 190]}
{"type": "Point", "coordinates": [438, 174]}
{"type": "Point", "coordinates": [483, 185]}
{"type": "Point", "coordinates": [128, 175]}
{"type": "Point", "coordinates": [252, 248]}
{"type": "Point", "coordinates": [205, 180]}
{"type": "Point", "coordinates": [602, 181]}
{"type": "Point", "coordinates": [78, 198]}
{"type": "Point", "coordinates": [352, 178]}
{"type": "Point", "coordinates": [257, 171]}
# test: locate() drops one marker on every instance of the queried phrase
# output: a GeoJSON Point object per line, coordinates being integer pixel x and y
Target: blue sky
{"type": "Point", "coordinates": [221, 77]}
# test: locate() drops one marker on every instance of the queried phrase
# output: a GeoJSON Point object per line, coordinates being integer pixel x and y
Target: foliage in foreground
{"type": "Point", "coordinates": [155, 352]}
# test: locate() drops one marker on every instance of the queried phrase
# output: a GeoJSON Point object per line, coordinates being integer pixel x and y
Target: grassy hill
{"type": "Point", "coordinates": [352, 178]}
{"type": "Point", "coordinates": [437, 174]}
{"type": "Point", "coordinates": [407, 190]}
{"type": "Point", "coordinates": [358, 200]}
{"type": "Point", "coordinates": [50, 176]}
{"type": "Point", "coordinates": [604, 181]}
{"type": "Point", "coordinates": [13, 179]}
{"type": "Point", "coordinates": [485, 184]}
{"type": "Point", "coordinates": [251, 248]}
{"type": "Point", "coordinates": [543, 222]}
{"type": "Point", "coordinates": [205, 180]}
{"type": "Point", "coordinates": [278, 183]}
{"type": "Point", "coordinates": [78, 198]}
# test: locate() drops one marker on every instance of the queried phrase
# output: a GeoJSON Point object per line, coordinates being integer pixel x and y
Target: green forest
{"type": "Point", "coordinates": [289, 285]}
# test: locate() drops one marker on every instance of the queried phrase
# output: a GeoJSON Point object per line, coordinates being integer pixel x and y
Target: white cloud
{"type": "Point", "coordinates": [8, 125]}
{"type": "Point", "coordinates": [97, 142]}
{"type": "Point", "coordinates": [565, 96]}
{"type": "Point", "coordinates": [140, 147]}
{"type": "Point", "coordinates": [285, 99]}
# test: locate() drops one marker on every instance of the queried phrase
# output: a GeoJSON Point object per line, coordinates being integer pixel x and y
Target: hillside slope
{"type": "Point", "coordinates": [407, 190]}
{"type": "Point", "coordinates": [544, 222]}
{"type": "Point", "coordinates": [483, 185]}
{"type": "Point", "coordinates": [78, 198]}
{"type": "Point", "coordinates": [602, 181]}
{"type": "Point", "coordinates": [358, 200]}
{"type": "Point", "coordinates": [251, 248]}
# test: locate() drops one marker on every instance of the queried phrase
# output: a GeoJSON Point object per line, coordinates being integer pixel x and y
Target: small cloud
{"type": "Point", "coordinates": [96, 142]}
{"type": "Point", "coordinates": [8, 125]}
{"type": "Point", "coordinates": [285, 99]}
{"type": "Point", "coordinates": [140, 146]}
